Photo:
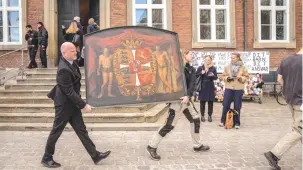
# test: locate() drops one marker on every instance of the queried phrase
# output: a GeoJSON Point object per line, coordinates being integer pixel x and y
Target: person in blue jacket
{"type": "Point", "coordinates": [207, 92]}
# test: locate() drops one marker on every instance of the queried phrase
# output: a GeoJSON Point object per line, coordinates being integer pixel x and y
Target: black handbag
{"type": "Point", "coordinates": [198, 83]}
{"type": "Point", "coordinates": [76, 39]}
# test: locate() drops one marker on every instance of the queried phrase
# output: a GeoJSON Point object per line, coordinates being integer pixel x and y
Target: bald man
{"type": "Point", "coordinates": [68, 105]}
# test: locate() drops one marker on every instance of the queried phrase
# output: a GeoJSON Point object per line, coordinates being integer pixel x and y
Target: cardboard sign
{"type": "Point", "coordinates": [255, 62]}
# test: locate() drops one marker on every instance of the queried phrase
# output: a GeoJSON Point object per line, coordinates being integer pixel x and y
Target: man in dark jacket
{"type": "Point", "coordinates": [176, 109]}
{"type": "Point", "coordinates": [68, 105]}
{"type": "Point", "coordinates": [43, 42]}
{"type": "Point", "coordinates": [31, 37]}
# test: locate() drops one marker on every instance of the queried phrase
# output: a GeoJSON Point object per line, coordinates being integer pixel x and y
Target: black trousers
{"type": "Point", "coordinates": [76, 121]}
{"type": "Point", "coordinates": [43, 55]}
{"type": "Point", "coordinates": [32, 51]}
{"type": "Point", "coordinates": [210, 107]}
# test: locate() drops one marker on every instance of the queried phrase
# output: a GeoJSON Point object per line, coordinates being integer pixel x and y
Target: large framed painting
{"type": "Point", "coordinates": [133, 65]}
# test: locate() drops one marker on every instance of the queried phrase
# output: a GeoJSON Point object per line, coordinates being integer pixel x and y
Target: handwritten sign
{"type": "Point", "coordinates": [255, 62]}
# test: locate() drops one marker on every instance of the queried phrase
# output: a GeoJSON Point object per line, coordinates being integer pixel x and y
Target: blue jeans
{"type": "Point", "coordinates": [230, 96]}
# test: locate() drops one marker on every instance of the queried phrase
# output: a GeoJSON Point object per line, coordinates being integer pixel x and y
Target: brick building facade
{"type": "Point", "coordinates": [250, 25]}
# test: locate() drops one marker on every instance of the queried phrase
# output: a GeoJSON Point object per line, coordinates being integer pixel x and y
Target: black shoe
{"type": "Point", "coordinates": [202, 148]}
{"type": "Point", "coordinates": [101, 156]}
{"type": "Point", "coordinates": [210, 119]}
{"type": "Point", "coordinates": [50, 164]}
{"type": "Point", "coordinates": [202, 119]}
{"type": "Point", "coordinates": [272, 160]}
{"type": "Point", "coordinates": [153, 153]}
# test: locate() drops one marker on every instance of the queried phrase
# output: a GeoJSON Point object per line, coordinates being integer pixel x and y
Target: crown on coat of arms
{"type": "Point", "coordinates": [131, 42]}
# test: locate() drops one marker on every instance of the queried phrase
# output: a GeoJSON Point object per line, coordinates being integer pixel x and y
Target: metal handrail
{"type": "Point", "coordinates": [21, 69]}
{"type": "Point", "coordinates": [16, 50]}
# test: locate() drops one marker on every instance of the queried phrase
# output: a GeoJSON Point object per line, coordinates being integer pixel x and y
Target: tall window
{"type": "Point", "coordinates": [10, 21]}
{"type": "Point", "coordinates": [273, 20]}
{"type": "Point", "coordinates": [213, 20]}
{"type": "Point", "coordinates": [150, 13]}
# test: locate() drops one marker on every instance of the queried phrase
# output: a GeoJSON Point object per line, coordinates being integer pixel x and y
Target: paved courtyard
{"type": "Point", "coordinates": [262, 126]}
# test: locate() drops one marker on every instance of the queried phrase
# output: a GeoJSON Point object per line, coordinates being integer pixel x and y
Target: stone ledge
{"type": "Point", "coordinates": [89, 127]}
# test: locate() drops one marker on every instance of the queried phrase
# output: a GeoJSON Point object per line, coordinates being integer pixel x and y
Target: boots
{"type": "Point", "coordinates": [153, 153]}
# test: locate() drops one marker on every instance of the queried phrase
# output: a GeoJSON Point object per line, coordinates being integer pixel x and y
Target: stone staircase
{"type": "Point", "coordinates": [25, 106]}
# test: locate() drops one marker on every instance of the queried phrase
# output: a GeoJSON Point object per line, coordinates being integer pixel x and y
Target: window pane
{"type": "Point", "coordinates": [220, 32]}
{"type": "Point", "coordinates": [280, 3]}
{"type": "Point", "coordinates": [220, 16]}
{"type": "Point", "coordinates": [280, 17]}
{"type": "Point", "coordinates": [265, 17]}
{"type": "Point", "coordinates": [158, 26]}
{"type": "Point", "coordinates": [1, 19]}
{"type": "Point", "coordinates": [13, 34]}
{"type": "Point", "coordinates": [0, 3]}
{"type": "Point", "coordinates": [220, 2]}
{"type": "Point", "coordinates": [1, 34]}
{"type": "Point", "coordinates": [157, 1]}
{"type": "Point", "coordinates": [141, 1]}
{"type": "Point", "coordinates": [205, 33]}
{"type": "Point", "coordinates": [157, 17]}
{"type": "Point", "coordinates": [265, 32]}
{"type": "Point", "coordinates": [12, 3]}
{"type": "Point", "coordinates": [204, 16]}
{"type": "Point", "coordinates": [265, 2]}
{"type": "Point", "coordinates": [204, 2]}
{"type": "Point", "coordinates": [13, 18]}
{"type": "Point", "coordinates": [141, 17]}
{"type": "Point", "coordinates": [280, 33]}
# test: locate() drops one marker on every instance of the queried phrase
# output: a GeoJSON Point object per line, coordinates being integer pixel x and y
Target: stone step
{"type": "Point", "coordinates": [39, 81]}
{"type": "Point", "coordinates": [45, 86]}
{"type": "Point", "coordinates": [48, 70]}
{"type": "Point", "coordinates": [149, 116]}
{"type": "Point", "coordinates": [27, 100]}
{"type": "Point", "coordinates": [89, 127]}
{"type": "Point", "coordinates": [49, 108]}
{"type": "Point", "coordinates": [44, 75]}
{"type": "Point", "coordinates": [88, 117]}
{"type": "Point", "coordinates": [27, 93]}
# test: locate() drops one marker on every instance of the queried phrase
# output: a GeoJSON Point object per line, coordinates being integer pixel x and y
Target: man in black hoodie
{"type": "Point", "coordinates": [31, 37]}
{"type": "Point", "coordinates": [43, 42]}
{"type": "Point", "coordinates": [175, 109]}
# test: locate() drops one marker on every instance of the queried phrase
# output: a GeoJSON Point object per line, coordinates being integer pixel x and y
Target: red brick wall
{"type": "Point", "coordinates": [182, 23]}
{"type": "Point", "coordinates": [118, 13]}
{"type": "Point", "coordinates": [35, 12]}
{"type": "Point", "coordinates": [275, 54]}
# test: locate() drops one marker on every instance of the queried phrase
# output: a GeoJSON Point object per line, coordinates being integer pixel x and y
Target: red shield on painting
{"type": "Point", "coordinates": [131, 65]}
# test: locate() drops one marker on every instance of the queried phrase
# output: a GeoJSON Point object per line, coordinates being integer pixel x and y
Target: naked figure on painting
{"type": "Point", "coordinates": [106, 69]}
{"type": "Point", "coordinates": [135, 65]}
{"type": "Point", "coordinates": [163, 63]}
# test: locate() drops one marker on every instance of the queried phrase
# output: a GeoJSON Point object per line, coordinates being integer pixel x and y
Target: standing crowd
{"type": "Point", "coordinates": [39, 40]}
{"type": "Point", "coordinates": [68, 102]}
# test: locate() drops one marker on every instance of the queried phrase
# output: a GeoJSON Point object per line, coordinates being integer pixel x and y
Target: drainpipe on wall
{"type": "Point", "coordinates": [245, 24]}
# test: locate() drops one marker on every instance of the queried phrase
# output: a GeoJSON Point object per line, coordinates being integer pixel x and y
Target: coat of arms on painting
{"type": "Point", "coordinates": [133, 65]}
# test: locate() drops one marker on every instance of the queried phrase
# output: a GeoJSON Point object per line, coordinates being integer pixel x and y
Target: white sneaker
{"type": "Point", "coordinates": [221, 124]}
{"type": "Point", "coordinates": [237, 127]}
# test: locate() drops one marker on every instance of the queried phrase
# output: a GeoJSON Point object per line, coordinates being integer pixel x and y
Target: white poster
{"type": "Point", "coordinates": [255, 62]}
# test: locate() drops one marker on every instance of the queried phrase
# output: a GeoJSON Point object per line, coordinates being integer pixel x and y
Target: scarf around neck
{"type": "Point", "coordinates": [235, 68]}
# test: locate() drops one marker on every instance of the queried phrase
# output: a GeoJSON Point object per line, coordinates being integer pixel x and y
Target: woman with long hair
{"type": "Point", "coordinates": [70, 33]}
{"type": "Point", "coordinates": [92, 26]}
{"type": "Point", "coordinates": [207, 92]}
{"type": "Point", "coordinates": [235, 75]}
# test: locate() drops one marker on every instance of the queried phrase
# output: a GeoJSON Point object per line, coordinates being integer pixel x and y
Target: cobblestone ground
{"type": "Point", "coordinates": [262, 126]}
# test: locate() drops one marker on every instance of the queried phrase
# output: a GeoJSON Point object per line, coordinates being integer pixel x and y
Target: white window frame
{"type": "Point", "coordinates": [273, 8]}
{"type": "Point", "coordinates": [212, 7]}
{"type": "Point", "coordinates": [5, 9]}
{"type": "Point", "coordinates": [149, 6]}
